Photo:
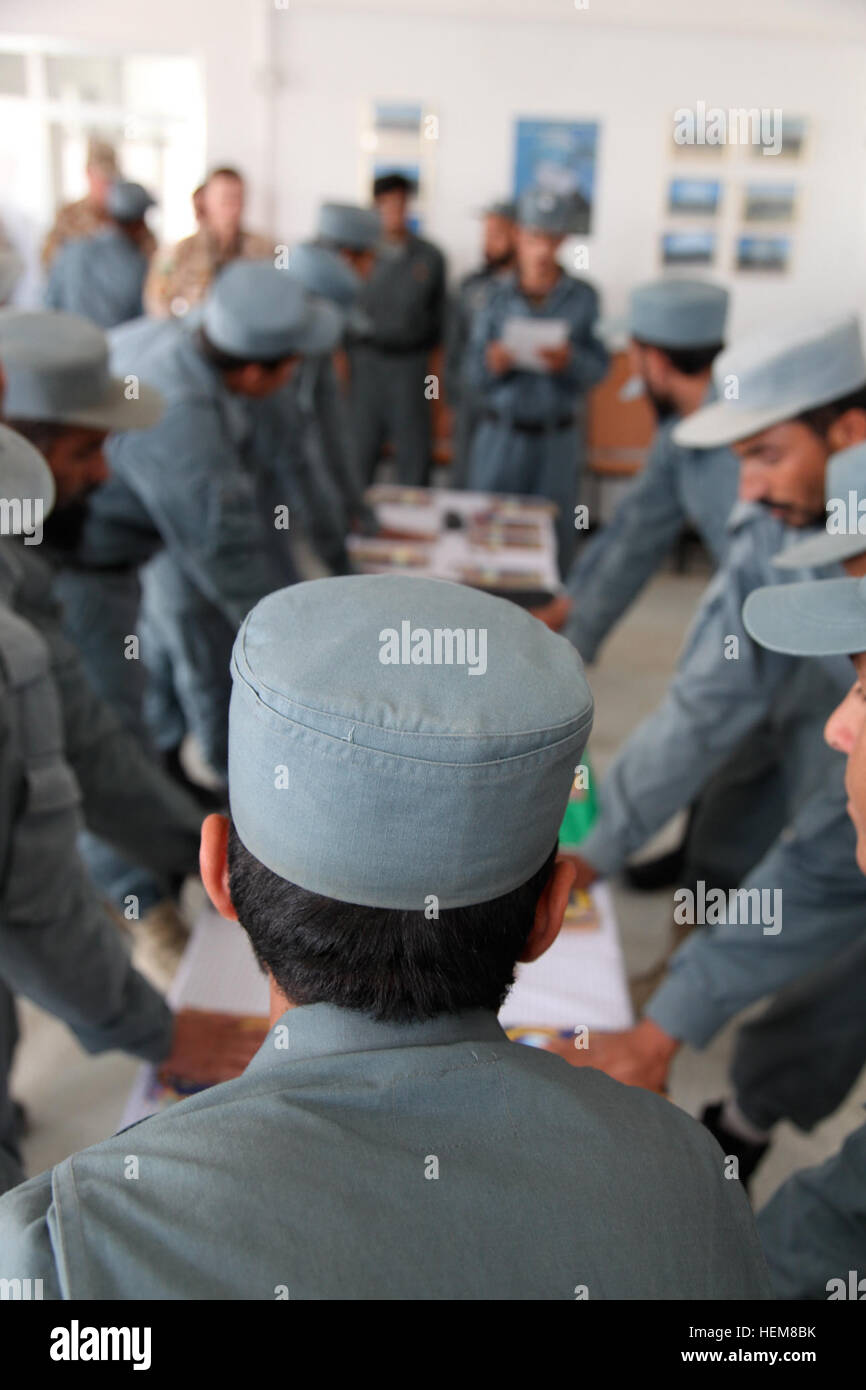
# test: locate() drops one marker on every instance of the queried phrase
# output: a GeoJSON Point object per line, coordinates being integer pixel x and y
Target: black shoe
{"type": "Point", "coordinates": [662, 872]}
{"type": "Point", "coordinates": [747, 1154]}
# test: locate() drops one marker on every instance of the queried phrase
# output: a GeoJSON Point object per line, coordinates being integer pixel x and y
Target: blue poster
{"type": "Point", "coordinates": [558, 156]}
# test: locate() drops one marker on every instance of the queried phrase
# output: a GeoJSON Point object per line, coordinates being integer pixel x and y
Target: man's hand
{"type": "Point", "coordinates": [554, 614]}
{"type": "Point", "coordinates": [556, 359]}
{"type": "Point", "coordinates": [639, 1056]}
{"type": "Point", "coordinates": [498, 358]}
{"type": "Point", "coordinates": [585, 873]}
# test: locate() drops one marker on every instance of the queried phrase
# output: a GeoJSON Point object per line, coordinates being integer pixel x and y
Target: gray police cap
{"type": "Point", "coordinates": [845, 494]}
{"type": "Point", "coordinates": [26, 485]}
{"type": "Point", "coordinates": [678, 313]}
{"type": "Point", "coordinates": [345, 224]}
{"type": "Point", "coordinates": [547, 212]}
{"type": "Point", "coordinates": [393, 737]}
{"type": "Point", "coordinates": [258, 313]}
{"type": "Point", "coordinates": [505, 207]}
{"type": "Point", "coordinates": [322, 272]}
{"type": "Point", "coordinates": [128, 202]}
{"type": "Point", "coordinates": [822, 617]}
{"type": "Point", "coordinates": [769, 379]}
{"type": "Point", "coordinates": [56, 369]}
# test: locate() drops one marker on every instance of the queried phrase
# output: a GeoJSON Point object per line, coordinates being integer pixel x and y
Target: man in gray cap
{"type": "Point", "coordinates": [677, 329]}
{"type": "Point", "coordinates": [61, 395]}
{"type": "Point", "coordinates": [404, 298]}
{"type": "Point", "coordinates": [529, 439]}
{"type": "Point", "coordinates": [499, 229]}
{"type": "Point", "coordinates": [187, 496]}
{"type": "Point", "coordinates": [814, 1227]}
{"type": "Point", "coordinates": [325, 429]}
{"type": "Point", "coordinates": [755, 720]}
{"type": "Point", "coordinates": [352, 232]}
{"type": "Point", "coordinates": [392, 854]}
{"type": "Point", "coordinates": [102, 276]}
{"type": "Point", "coordinates": [58, 749]}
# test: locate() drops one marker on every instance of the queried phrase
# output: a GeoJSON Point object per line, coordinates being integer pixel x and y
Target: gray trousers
{"type": "Point", "coordinates": [388, 404]}
{"type": "Point", "coordinates": [100, 611]}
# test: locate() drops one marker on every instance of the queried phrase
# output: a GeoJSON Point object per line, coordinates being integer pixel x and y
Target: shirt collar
{"type": "Point", "coordinates": [323, 1030]}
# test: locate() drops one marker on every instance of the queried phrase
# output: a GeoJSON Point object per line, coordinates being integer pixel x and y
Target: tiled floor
{"type": "Point", "coordinates": [73, 1100]}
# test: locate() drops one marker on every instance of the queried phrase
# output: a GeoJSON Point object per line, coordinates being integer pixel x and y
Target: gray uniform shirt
{"type": "Point", "coordinates": [361, 1160]}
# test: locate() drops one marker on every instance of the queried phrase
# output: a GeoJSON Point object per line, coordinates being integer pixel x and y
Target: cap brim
{"type": "Point", "coordinates": [322, 331]}
{"type": "Point", "coordinates": [25, 473]}
{"type": "Point", "coordinates": [719, 423]}
{"type": "Point", "coordinates": [820, 550]}
{"type": "Point", "coordinates": [116, 413]}
{"type": "Point", "coordinates": [822, 617]}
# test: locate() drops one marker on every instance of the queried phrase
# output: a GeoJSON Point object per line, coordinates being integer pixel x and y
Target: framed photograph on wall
{"type": "Point", "coordinates": [688, 248]}
{"type": "Point", "coordinates": [694, 197]}
{"type": "Point", "coordinates": [764, 253]}
{"type": "Point", "coordinates": [769, 202]}
{"type": "Point", "coordinates": [560, 157]}
{"type": "Point", "coordinates": [399, 137]}
{"type": "Point", "coordinates": [792, 140]}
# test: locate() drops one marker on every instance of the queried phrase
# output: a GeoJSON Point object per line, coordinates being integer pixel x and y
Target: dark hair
{"type": "Point", "coordinates": [393, 964]}
{"type": "Point", "coordinates": [228, 362]}
{"type": "Point", "coordinates": [393, 183]}
{"type": "Point", "coordinates": [224, 172]}
{"type": "Point", "coordinates": [42, 434]}
{"type": "Point", "coordinates": [821, 417]}
{"type": "Point", "coordinates": [689, 361]}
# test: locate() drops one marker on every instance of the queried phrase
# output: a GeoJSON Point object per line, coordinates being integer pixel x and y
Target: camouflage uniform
{"type": "Point", "coordinates": [82, 219]}
{"type": "Point", "coordinates": [184, 272]}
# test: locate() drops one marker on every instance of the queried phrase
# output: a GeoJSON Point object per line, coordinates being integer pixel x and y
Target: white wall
{"type": "Point", "coordinates": [615, 61]}
{"type": "Point", "coordinates": [479, 76]}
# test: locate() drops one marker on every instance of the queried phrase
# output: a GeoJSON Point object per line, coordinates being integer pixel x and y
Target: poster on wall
{"type": "Point", "coordinates": [560, 157]}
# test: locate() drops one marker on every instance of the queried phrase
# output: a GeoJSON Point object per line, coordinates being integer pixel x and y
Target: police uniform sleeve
{"type": "Point", "coordinates": [26, 1246]}
{"type": "Point", "coordinates": [723, 685]}
{"type": "Point", "coordinates": [817, 898]}
{"type": "Point", "coordinates": [193, 482]}
{"type": "Point", "coordinates": [127, 799]}
{"type": "Point", "coordinates": [589, 359]}
{"type": "Point", "coordinates": [616, 564]}
{"type": "Point", "coordinates": [53, 293]}
{"type": "Point", "coordinates": [57, 946]}
{"type": "Point", "coordinates": [332, 428]}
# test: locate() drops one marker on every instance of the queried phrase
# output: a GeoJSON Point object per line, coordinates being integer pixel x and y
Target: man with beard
{"type": "Point", "coordinates": [498, 229]}
{"type": "Point", "coordinates": [676, 330]}
{"type": "Point", "coordinates": [755, 719]}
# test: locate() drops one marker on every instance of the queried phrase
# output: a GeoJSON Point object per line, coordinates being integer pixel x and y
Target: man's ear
{"type": "Point", "coordinates": [550, 910]}
{"type": "Point", "coordinates": [213, 862]}
{"type": "Point", "coordinates": [848, 429]}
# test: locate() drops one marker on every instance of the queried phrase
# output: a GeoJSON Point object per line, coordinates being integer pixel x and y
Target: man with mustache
{"type": "Point", "coordinates": [797, 400]}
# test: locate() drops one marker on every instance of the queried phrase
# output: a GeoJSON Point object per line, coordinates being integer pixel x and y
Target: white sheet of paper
{"type": "Point", "coordinates": [524, 337]}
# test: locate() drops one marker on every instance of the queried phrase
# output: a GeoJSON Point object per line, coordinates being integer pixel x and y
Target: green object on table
{"type": "Point", "coordinates": [582, 809]}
